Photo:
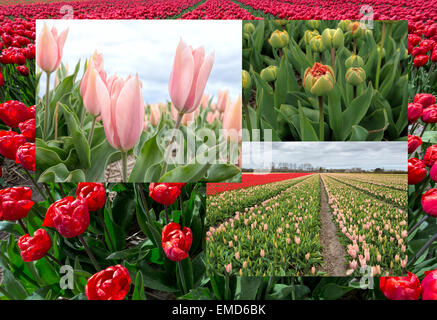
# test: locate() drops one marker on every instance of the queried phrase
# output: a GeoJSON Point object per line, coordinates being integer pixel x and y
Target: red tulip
{"type": "Point", "coordinates": [36, 247]}
{"type": "Point", "coordinates": [113, 283]}
{"type": "Point", "coordinates": [425, 99]}
{"type": "Point", "coordinates": [429, 285]}
{"type": "Point", "coordinates": [69, 216]}
{"type": "Point", "coordinates": [413, 143]}
{"type": "Point", "coordinates": [26, 156]}
{"type": "Point", "coordinates": [10, 141]}
{"type": "Point", "coordinates": [176, 242]}
{"type": "Point", "coordinates": [27, 129]}
{"type": "Point", "coordinates": [429, 115]}
{"type": "Point", "coordinates": [23, 70]}
{"type": "Point", "coordinates": [13, 112]}
{"type": "Point", "coordinates": [414, 112]}
{"type": "Point", "coordinates": [429, 202]}
{"type": "Point", "coordinates": [15, 203]}
{"type": "Point", "coordinates": [430, 155]}
{"type": "Point", "coordinates": [420, 60]}
{"type": "Point", "coordinates": [413, 39]}
{"type": "Point", "coordinates": [401, 288]}
{"type": "Point", "coordinates": [93, 193]}
{"type": "Point", "coordinates": [416, 171]}
{"type": "Point", "coordinates": [164, 193]}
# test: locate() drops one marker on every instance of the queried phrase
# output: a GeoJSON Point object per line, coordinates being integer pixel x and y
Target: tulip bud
{"type": "Point", "coordinates": [414, 112]}
{"type": "Point", "coordinates": [316, 44]}
{"type": "Point", "coordinates": [355, 76]}
{"type": "Point", "coordinates": [113, 283]}
{"type": "Point", "coordinates": [425, 99]}
{"type": "Point", "coordinates": [279, 39]}
{"type": "Point", "coordinates": [333, 38]}
{"type": "Point", "coordinates": [249, 27]}
{"type": "Point", "coordinates": [15, 203]}
{"type": "Point", "coordinates": [176, 242]}
{"type": "Point", "coordinates": [382, 52]}
{"type": "Point", "coordinates": [246, 80]}
{"type": "Point", "coordinates": [413, 143]}
{"type": "Point", "coordinates": [430, 156]}
{"type": "Point", "coordinates": [429, 114]}
{"type": "Point", "coordinates": [94, 194]}
{"type": "Point", "coordinates": [356, 30]}
{"type": "Point", "coordinates": [314, 24]}
{"type": "Point", "coordinates": [344, 25]}
{"type": "Point", "coordinates": [354, 61]}
{"type": "Point", "coordinates": [429, 285]}
{"type": "Point", "coordinates": [429, 202]}
{"type": "Point", "coordinates": [319, 80]}
{"type": "Point", "coordinates": [401, 288]}
{"type": "Point", "coordinates": [416, 171]}
{"type": "Point", "coordinates": [36, 247]}
{"type": "Point", "coordinates": [49, 47]}
{"type": "Point", "coordinates": [26, 156]}
{"type": "Point", "coordinates": [232, 121]}
{"type": "Point", "coordinates": [309, 34]}
{"type": "Point", "coordinates": [269, 74]}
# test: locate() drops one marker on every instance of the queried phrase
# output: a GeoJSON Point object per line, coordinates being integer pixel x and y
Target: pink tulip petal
{"type": "Point", "coordinates": [47, 50]}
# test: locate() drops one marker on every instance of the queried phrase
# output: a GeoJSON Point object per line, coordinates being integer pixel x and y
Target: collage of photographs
{"type": "Point", "coordinates": [218, 150]}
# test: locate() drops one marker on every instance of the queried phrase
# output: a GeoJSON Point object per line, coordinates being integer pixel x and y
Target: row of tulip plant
{"type": "Point", "coordinates": [85, 125]}
{"type": "Point", "coordinates": [102, 242]}
{"type": "Point", "coordinates": [276, 237]}
{"type": "Point", "coordinates": [224, 205]}
{"type": "Point", "coordinates": [373, 232]}
{"type": "Point", "coordinates": [326, 80]}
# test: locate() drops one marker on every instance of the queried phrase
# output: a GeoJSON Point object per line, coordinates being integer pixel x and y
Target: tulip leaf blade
{"type": "Point", "coordinates": [138, 293]}
{"type": "Point", "coordinates": [307, 132]}
{"type": "Point", "coordinates": [358, 133]}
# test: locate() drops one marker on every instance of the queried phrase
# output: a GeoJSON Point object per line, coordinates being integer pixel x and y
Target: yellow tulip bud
{"type": "Point", "coordinates": [269, 74]}
{"type": "Point", "coordinates": [355, 76]}
{"type": "Point", "coordinates": [354, 61]}
{"type": "Point", "coordinates": [316, 44]}
{"type": "Point", "coordinates": [309, 34]}
{"type": "Point", "coordinates": [333, 38]}
{"type": "Point", "coordinates": [246, 80]}
{"type": "Point", "coordinates": [279, 39]}
{"type": "Point", "coordinates": [319, 80]}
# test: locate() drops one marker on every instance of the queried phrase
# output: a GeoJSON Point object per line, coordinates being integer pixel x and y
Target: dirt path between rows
{"type": "Point", "coordinates": [333, 253]}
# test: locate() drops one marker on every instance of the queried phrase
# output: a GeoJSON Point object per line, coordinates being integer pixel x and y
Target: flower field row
{"type": "Point", "coordinates": [225, 205]}
{"type": "Point", "coordinates": [223, 9]}
{"type": "Point", "coordinates": [396, 197]}
{"type": "Point", "coordinates": [395, 181]}
{"type": "Point", "coordinates": [372, 232]}
{"type": "Point", "coordinates": [249, 180]}
{"type": "Point", "coordinates": [278, 236]}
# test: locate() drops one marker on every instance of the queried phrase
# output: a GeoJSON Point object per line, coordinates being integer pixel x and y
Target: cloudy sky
{"type": "Point", "coordinates": [148, 47]}
{"type": "Point", "coordinates": [334, 155]}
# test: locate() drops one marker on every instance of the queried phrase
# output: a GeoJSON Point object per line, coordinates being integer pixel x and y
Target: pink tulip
{"type": "Point", "coordinates": [95, 94]}
{"type": "Point", "coordinates": [222, 100]}
{"type": "Point", "coordinates": [232, 121]}
{"type": "Point", "coordinates": [123, 120]}
{"type": "Point", "coordinates": [155, 114]}
{"type": "Point", "coordinates": [189, 76]}
{"type": "Point", "coordinates": [49, 48]}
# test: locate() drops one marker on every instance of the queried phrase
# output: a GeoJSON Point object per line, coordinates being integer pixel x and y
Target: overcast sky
{"type": "Point", "coordinates": [334, 155]}
{"type": "Point", "coordinates": [147, 47]}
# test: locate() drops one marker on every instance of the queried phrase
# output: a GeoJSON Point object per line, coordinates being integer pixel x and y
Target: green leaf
{"type": "Point", "coordinates": [60, 173]}
{"type": "Point", "coordinates": [221, 172]}
{"type": "Point", "coordinates": [334, 112]}
{"type": "Point", "coordinates": [359, 133]}
{"type": "Point", "coordinates": [189, 173]}
{"type": "Point", "coordinates": [307, 132]}
{"type": "Point", "coordinates": [13, 287]}
{"type": "Point", "coordinates": [248, 287]}
{"type": "Point", "coordinates": [333, 291]}
{"type": "Point", "coordinates": [101, 156]}
{"type": "Point", "coordinates": [139, 288]}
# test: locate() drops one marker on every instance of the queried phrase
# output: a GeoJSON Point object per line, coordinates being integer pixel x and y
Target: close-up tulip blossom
{"type": "Point", "coordinates": [176, 241]}
{"type": "Point", "coordinates": [34, 247]}
{"type": "Point", "coordinates": [113, 283]}
{"type": "Point", "coordinates": [401, 288]}
{"type": "Point", "coordinates": [15, 203]}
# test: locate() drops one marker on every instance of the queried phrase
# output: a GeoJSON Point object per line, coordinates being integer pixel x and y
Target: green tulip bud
{"type": "Point", "coordinates": [333, 38]}
{"type": "Point", "coordinates": [316, 44]}
{"type": "Point", "coordinates": [309, 34]}
{"type": "Point", "coordinates": [279, 39]}
{"type": "Point", "coordinates": [246, 80]}
{"type": "Point", "coordinates": [355, 76]}
{"type": "Point", "coordinates": [280, 23]}
{"type": "Point", "coordinates": [354, 61]}
{"type": "Point", "coordinates": [249, 28]}
{"type": "Point", "coordinates": [383, 52]}
{"type": "Point", "coordinates": [356, 30]}
{"type": "Point", "coordinates": [344, 25]}
{"type": "Point", "coordinates": [314, 24]}
{"type": "Point", "coordinates": [319, 80]}
{"type": "Point", "coordinates": [269, 74]}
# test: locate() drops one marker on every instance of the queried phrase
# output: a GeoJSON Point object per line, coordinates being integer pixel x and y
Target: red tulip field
{"type": "Point", "coordinates": [281, 228]}
{"type": "Point", "coordinates": [220, 9]}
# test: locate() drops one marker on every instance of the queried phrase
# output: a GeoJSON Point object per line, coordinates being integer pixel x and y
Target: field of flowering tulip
{"type": "Point", "coordinates": [249, 180]}
{"type": "Point", "coordinates": [373, 232]}
{"type": "Point", "coordinates": [88, 121]}
{"type": "Point", "coordinates": [278, 236]}
{"type": "Point", "coordinates": [326, 80]}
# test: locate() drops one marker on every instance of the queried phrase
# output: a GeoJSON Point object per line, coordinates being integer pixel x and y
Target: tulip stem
{"type": "Point", "coordinates": [90, 137]}
{"type": "Point", "coordinates": [381, 47]}
{"type": "Point", "coordinates": [321, 119]}
{"type": "Point", "coordinates": [246, 111]}
{"type": "Point", "coordinates": [23, 226]}
{"type": "Point", "coordinates": [333, 59]}
{"type": "Point", "coordinates": [355, 91]}
{"type": "Point", "coordinates": [423, 130]}
{"type": "Point", "coordinates": [173, 136]}
{"type": "Point", "coordinates": [35, 184]}
{"type": "Point", "coordinates": [423, 249]}
{"type": "Point", "coordinates": [56, 121]}
{"type": "Point", "coordinates": [54, 259]}
{"type": "Point", "coordinates": [124, 165]}
{"type": "Point", "coordinates": [90, 254]}
{"type": "Point", "coordinates": [46, 110]}
{"type": "Point", "coordinates": [417, 225]}
{"type": "Point", "coordinates": [167, 220]}
{"type": "Point", "coordinates": [48, 192]}
{"type": "Point", "coordinates": [182, 278]}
